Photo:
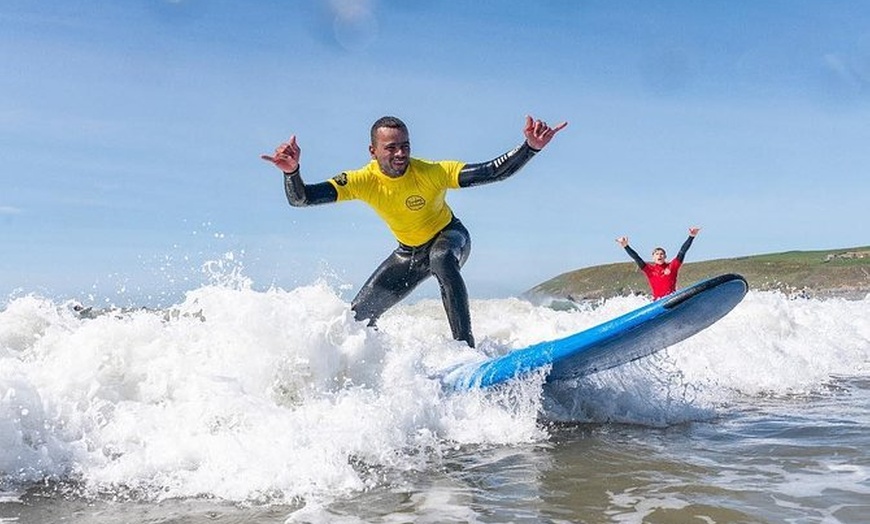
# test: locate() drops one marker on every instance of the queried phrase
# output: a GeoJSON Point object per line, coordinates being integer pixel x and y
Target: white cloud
{"type": "Point", "coordinates": [354, 25]}
{"type": "Point", "coordinates": [350, 10]}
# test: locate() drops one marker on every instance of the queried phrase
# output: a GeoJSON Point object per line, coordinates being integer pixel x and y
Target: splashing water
{"type": "Point", "coordinates": [278, 396]}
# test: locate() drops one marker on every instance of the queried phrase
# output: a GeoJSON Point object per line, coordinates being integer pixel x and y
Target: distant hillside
{"type": "Point", "coordinates": [838, 272]}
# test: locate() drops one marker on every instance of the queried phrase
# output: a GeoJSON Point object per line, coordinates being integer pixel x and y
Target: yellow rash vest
{"type": "Point", "coordinates": [413, 205]}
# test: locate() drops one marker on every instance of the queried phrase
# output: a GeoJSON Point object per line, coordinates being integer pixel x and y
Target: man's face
{"type": "Point", "coordinates": [659, 256]}
{"type": "Point", "coordinates": [392, 150]}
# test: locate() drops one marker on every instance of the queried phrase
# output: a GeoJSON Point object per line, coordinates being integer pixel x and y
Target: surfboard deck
{"type": "Point", "coordinates": [634, 335]}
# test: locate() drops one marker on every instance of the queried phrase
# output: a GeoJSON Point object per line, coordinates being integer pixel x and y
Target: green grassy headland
{"type": "Point", "coordinates": [831, 273]}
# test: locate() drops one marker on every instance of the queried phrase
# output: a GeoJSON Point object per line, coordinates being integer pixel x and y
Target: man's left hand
{"type": "Point", "coordinates": [538, 133]}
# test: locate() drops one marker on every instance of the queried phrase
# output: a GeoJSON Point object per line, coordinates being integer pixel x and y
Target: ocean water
{"type": "Point", "coordinates": [274, 406]}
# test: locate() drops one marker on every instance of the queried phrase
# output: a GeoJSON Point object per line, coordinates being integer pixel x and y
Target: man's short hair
{"type": "Point", "coordinates": [387, 121]}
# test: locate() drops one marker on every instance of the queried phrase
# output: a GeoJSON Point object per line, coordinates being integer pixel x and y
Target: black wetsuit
{"type": "Point", "coordinates": [406, 267]}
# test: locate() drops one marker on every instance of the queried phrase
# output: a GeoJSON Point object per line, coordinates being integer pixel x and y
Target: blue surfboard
{"type": "Point", "coordinates": [629, 337]}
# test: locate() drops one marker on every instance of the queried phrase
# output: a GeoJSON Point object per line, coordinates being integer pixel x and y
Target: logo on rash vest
{"type": "Point", "coordinates": [340, 179]}
{"type": "Point", "coordinates": [415, 202]}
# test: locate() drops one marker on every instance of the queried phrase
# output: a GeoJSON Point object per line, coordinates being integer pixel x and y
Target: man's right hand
{"type": "Point", "coordinates": [622, 241]}
{"type": "Point", "coordinates": [286, 156]}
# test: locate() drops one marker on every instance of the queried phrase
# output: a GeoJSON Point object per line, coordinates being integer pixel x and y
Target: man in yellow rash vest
{"type": "Point", "coordinates": [409, 195]}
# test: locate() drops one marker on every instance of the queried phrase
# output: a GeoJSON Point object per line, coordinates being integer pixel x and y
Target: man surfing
{"type": "Point", "coordinates": [408, 194]}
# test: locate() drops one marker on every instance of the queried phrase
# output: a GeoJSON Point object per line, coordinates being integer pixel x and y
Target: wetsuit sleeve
{"type": "Point", "coordinates": [496, 169]}
{"type": "Point", "coordinates": [633, 254]}
{"type": "Point", "coordinates": [685, 247]}
{"type": "Point", "coordinates": [299, 194]}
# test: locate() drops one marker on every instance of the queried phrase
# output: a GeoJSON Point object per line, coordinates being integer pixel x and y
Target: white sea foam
{"type": "Point", "coordinates": [279, 395]}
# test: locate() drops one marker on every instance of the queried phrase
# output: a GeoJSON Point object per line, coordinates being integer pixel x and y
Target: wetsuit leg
{"type": "Point", "coordinates": [448, 254]}
{"type": "Point", "coordinates": [392, 281]}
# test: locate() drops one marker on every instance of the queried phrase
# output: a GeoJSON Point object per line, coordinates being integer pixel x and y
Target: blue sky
{"type": "Point", "coordinates": [130, 134]}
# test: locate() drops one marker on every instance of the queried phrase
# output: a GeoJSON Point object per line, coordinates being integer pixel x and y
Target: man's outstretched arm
{"type": "Point", "coordinates": [300, 194]}
{"type": "Point", "coordinates": [497, 168]}
{"type": "Point", "coordinates": [537, 133]}
{"type": "Point", "coordinates": [693, 232]}
{"type": "Point", "coordinates": [623, 241]}
{"type": "Point", "coordinates": [286, 158]}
